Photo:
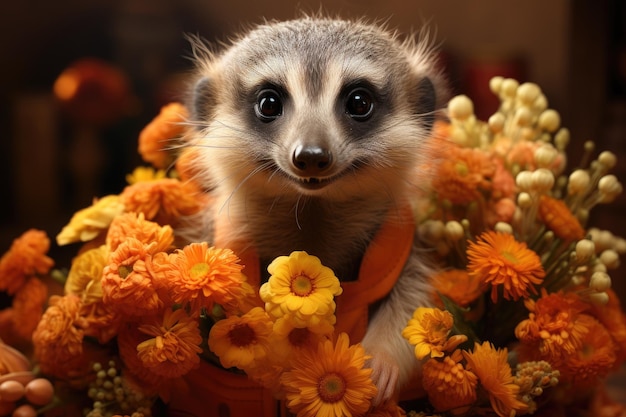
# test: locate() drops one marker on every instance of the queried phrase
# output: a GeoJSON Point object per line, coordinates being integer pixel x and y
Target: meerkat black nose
{"type": "Point", "coordinates": [311, 160]}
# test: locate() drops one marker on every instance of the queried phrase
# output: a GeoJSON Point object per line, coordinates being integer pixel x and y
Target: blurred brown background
{"type": "Point", "coordinates": [53, 165]}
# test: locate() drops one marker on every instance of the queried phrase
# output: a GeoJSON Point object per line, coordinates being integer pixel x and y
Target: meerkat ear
{"type": "Point", "coordinates": [201, 100]}
{"type": "Point", "coordinates": [425, 101]}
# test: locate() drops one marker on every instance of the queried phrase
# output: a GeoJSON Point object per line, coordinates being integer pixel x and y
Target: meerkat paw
{"type": "Point", "coordinates": [385, 373]}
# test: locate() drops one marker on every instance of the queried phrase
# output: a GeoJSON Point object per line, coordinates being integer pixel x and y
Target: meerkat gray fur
{"type": "Point", "coordinates": [308, 134]}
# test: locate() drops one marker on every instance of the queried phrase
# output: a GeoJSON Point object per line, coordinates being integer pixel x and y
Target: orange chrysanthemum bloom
{"type": "Point", "coordinates": [163, 200]}
{"type": "Point", "coordinates": [128, 338]}
{"type": "Point", "coordinates": [157, 135]}
{"type": "Point", "coordinates": [28, 305]}
{"type": "Point", "coordinates": [26, 257]}
{"type": "Point", "coordinates": [242, 341]}
{"type": "Point", "coordinates": [127, 284]}
{"type": "Point", "coordinates": [555, 328]}
{"type": "Point", "coordinates": [87, 223]}
{"type": "Point", "coordinates": [558, 218]}
{"type": "Point", "coordinates": [57, 341]}
{"type": "Point", "coordinates": [458, 286]}
{"type": "Point", "coordinates": [330, 381]}
{"type": "Point", "coordinates": [463, 174]}
{"type": "Point", "coordinates": [494, 373]}
{"type": "Point", "coordinates": [587, 366]}
{"type": "Point", "coordinates": [175, 344]}
{"type": "Point", "coordinates": [613, 319]}
{"type": "Point", "coordinates": [187, 167]}
{"type": "Point", "coordinates": [448, 385]}
{"type": "Point", "coordinates": [136, 226]}
{"type": "Point", "coordinates": [300, 285]}
{"type": "Point", "coordinates": [428, 331]}
{"type": "Point", "coordinates": [100, 321]}
{"type": "Point", "coordinates": [498, 259]}
{"type": "Point", "coordinates": [84, 278]}
{"type": "Point", "coordinates": [199, 276]}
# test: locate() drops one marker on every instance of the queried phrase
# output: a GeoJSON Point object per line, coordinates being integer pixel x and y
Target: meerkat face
{"type": "Point", "coordinates": [314, 107]}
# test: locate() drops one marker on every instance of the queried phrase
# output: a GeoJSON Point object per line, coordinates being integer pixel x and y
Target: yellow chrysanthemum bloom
{"type": "Point", "coordinates": [143, 174]}
{"type": "Point", "coordinates": [495, 376]}
{"type": "Point", "coordinates": [243, 341]}
{"type": "Point", "coordinates": [87, 223]}
{"type": "Point", "coordinates": [84, 278]}
{"type": "Point", "coordinates": [300, 285]}
{"type": "Point", "coordinates": [330, 381]}
{"type": "Point", "coordinates": [428, 331]}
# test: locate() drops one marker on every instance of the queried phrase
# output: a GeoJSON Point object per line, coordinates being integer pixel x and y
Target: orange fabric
{"type": "Point", "coordinates": [213, 390]}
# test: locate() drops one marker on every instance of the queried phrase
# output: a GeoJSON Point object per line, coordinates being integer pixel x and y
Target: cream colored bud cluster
{"type": "Point", "coordinates": [531, 186]}
{"type": "Point", "coordinates": [533, 378]}
{"type": "Point", "coordinates": [445, 236]}
{"type": "Point", "coordinates": [587, 187]}
{"type": "Point", "coordinates": [465, 129]}
{"type": "Point", "coordinates": [590, 268]}
{"type": "Point", "coordinates": [111, 395]}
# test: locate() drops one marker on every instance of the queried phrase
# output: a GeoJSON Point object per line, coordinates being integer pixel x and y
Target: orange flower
{"type": "Point", "coordinates": [448, 384]}
{"type": "Point", "coordinates": [136, 226]}
{"type": "Point", "coordinates": [330, 381]}
{"type": "Point", "coordinates": [494, 373]}
{"type": "Point", "coordinates": [156, 136]}
{"type": "Point", "coordinates": [200, 276]}
{"type": "Point", "coordinates": [25, 257]}
{"type": "Point", "coordinates": [458, 285]}
{"type": "Point", "coordinates": [388, 409]}
{"type": "Point", "coordinates": [187, 166]}
{"type": "Point", "coordinates": [593, 361]}
{"type": "Point", "coordinates": [28, 306]}
{"type": "Point", "coordinates": [613, 319]}
{"type": "Point", "coordinates": [428, 330]}
{"type": "Point", "coordinates": [100, 321]}
{"type": "Point", "coordinates": [173, 350]}
{"type": "Point", "coordinates": [57, 341]}
{"type": "Point", "coordinates": [499, 259]}
{"type": "Point", "coordinates": [462, 175]}
{"type": "Point", "coordinates": [242, 341]}
{"type": "Point", "coordinates": [127, 284]}
{"type": "Point", "coordinates": [128, 338]}
{"type": "Point", "coordinates": [163, 200]}
{"type": "Point", "coordinates": [558, 218]}
{"type": "Point", "coordinates": [555, 327]}
{"type": "Point", "coordinates": [288, 341]}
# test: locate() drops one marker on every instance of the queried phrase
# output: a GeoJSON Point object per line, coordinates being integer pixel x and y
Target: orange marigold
{"type": "Point", "coordinates": [127, 284]}
{"type": "Point", "coordinates": [199, 275]}
{"type": "Point", "coordinates": [173, 349]}
{"type": "Point", "coordinates": [128, 338]}
{"type": "Point", "coordinates": [458, 286]}
{"type": "Point", "coordinates": [498, 259]}
{"type": "Point", "coordinates": [136, 226]}
{"type": "Point", "coordinates": [163, 200]}
{"type": "Point", "coordinates": [25, 257]}
{"type": "Point", "coordinates": [156, 137]}
{"type": "Point", "coordinates": [242, 342]}
{"type": "Point", "coordinates": [100, 321]}
{"type": "Point", "coordinates": [448, 384]}
{"type": "Point", "coordinates": [463, 174]}
{"type": "Point", "coordinates": [494, 373]}
{"type": "Point", "coordinates": [555, 328]}
{"type": "Point", "coordinates": [558, 218]}
{"type": "Point", "coordinates": [593, 361]}
{"type": "Point", "coordinates": [28, 306]}
{"type": "Point", "coordinates": [613, 318]}
{"type": "Point", "coordinates": [57, 341]}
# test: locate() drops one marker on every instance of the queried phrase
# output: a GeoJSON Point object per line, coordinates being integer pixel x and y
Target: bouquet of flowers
{"type": "Point", "coordinates": [523, 319]}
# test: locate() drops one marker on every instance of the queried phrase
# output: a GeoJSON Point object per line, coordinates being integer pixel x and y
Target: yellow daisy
{"type": "Point", "coordinates": [428, 331]}
{"type": "Point", "coordinates": [330, 381]}
{"type": "Point", "coordinates": [299, 284]}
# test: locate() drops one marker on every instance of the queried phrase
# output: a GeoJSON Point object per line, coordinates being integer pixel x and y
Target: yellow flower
{"type": "Point", "coordinates": [87, 223]}
{"type": "Point", "coordinates": [448, 384]}
{"type": "Point", "coordinates": [173, 350]}
{"type": "Point", "coordinates": [330, 381]}
{"type": "Point", "coordinates": [428, 331]}
{"type": "Point", "coordinates": [288, 340]}
{"type": "Point", "coordinates": [299, 284]}
{"type": "Point", "coordinates": [241, 341]}
{"type": "Point", "coordinates": [494, 373]}
{"type": "Point", "coordinates": [84, 278]}
{"type": "Point", "coordinates": [144, 174]}
{"type": "Point", "coordinates": [499, 259]}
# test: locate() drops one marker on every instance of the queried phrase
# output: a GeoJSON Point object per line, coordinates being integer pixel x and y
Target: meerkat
{"type": "Point", "coordinates": [308, 133]}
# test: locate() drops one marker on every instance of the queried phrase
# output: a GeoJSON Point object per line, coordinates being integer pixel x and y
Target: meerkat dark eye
{"type": "Point", "coordinates": [269, 106]}
{"type": "Point", "coordinates": [359, 104]}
